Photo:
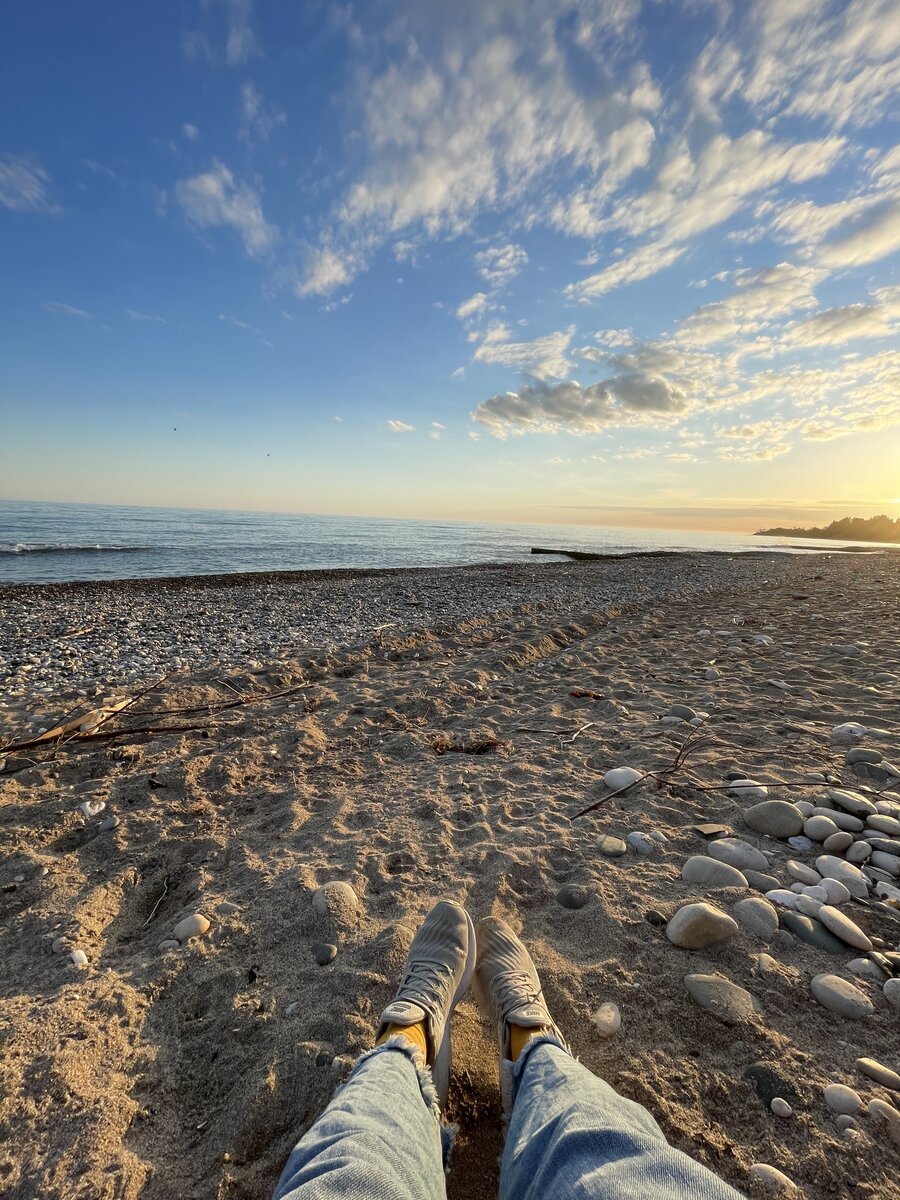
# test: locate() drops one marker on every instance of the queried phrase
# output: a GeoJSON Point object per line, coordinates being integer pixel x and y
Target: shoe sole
{"type": "Point", "coordinates": [441, 1068]}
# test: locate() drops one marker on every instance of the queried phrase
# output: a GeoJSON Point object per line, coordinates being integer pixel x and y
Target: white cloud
{"type": "Point", "coordinates": [215, 198]}
{"type": "Point", "coordinates": [325, 271]}
{"type": "Point", "coordinates": [23, 185]}
{"type": "Point", "coordinates": [436, 430]}
{"type": "Point", "coordinates": [499, 264]}
{"type": "Point", "coordinates": [134, 315]}
{"type": "Point", "coordinates": [257, 119]}
{"type": "Point", "coordinates": [66, 310]}
{"type": "Point", "coordinates": [640, 264]}
{"type": "Point", "coordinates": [238, 323]}
{"type": "Point", "coordinates": [544, 357]}
{"type": "Point", "coordinates": [833, 326]}
{"type": "Point", "coordinates": [472, 307]}
{"type": "Point", "coordinates": [400, 427]}
{"type": "Point", "coordinates": [762, 296]}
{"type": "Point", "coordinates": [875, 237]}
{"type": "Point", "coordinates": [191, 132]}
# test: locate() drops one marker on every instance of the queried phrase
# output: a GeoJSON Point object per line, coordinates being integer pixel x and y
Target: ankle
{"type": "Point", "coordinates": [520, 1036]}
{"type": "Point", "coordinates": [414, 1034]}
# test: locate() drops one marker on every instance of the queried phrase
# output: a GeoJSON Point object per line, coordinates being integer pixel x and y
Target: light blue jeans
{"type": "Point", "coordinates": [570, 1137]}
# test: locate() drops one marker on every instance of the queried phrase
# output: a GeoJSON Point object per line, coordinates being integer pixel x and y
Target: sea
{"type": "Point", "coordinates": [53, 543]}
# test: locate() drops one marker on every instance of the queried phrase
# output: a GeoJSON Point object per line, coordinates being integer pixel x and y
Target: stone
{"type": "Point", "coordinates": [338, 901]}
{"type": "Point", "coordinates": [710, 830]}
{"type": "Point", "coordinates": [60, 944]}
{"type": "Point", "coordinates": [711, 673]}
{"type": "Point", "coordinates": [781, 1108]}
{"type": "Point", "coordinates": [891, 992]}
{"type": "Point", "coordinates": [859, 852]}
{"type": "Point", "coordinates": [841, 997]}
{"type": "Point", "coordinates": [801, 843]}
{"type": "Point", "coordinates": [889, 1115]}
{"type": "Point", "coordinates": [811, 931]}
{"type": "Point", "coordinates": [835, 892]}
{"type": "Point", "coordinates": [849, 731]}
{"type": "Point", "coordinates": [801, 872]}
{"type": "Point", "coordinates": [851, 877]}
{"type": "Point", "coordinates": [721, 997]}
{"type": "Point", "coordinates": [757, 915]}
{"type": "Point", "coordinates": [774, 817]}
{"type": "Point", "coordinates": [169, 944]}
{"type": "Point", "coordinates": [91, 808]}
{"type": "Point", "coordinates": [572, 895]}
{"type": "Point", "coordinates": [759, 881]}
{"type": "Point", "coordinates": [738, 853]}
{"type": "Point", "coordinates": [884, 845]}
{"type": "Point", "coordinates": [861, 754]}
{"type": "Point", "coordinates": [809, 906]}
{"type": "Point", "coordinates": [880, 1073]}
{"type": "Point", "coordinates": [641, 843]}
{"type": "Point", "coordinates": [844, 1121]}
{"type": "Point", "coordinates": [853, 803]}
{"type": "Point", "coordinates": [682, 710]}
{"type": "Point", "coordinates": [109, 823]}
{"type": "Point", "coordinates": [817, 829]}
{"type": "Point", "coordinates": [866, 968]}
{"type": "Point", "coordinates": [804, 807]}
{"type": "Point", "coordinates": [607, 1019]}
{"type": "Point", "coordinates": [769, 1083]}
{"type": "Point", "coordinates": [843, 820]}
{"type": "Point", "coordinates": [190, 927]}
{"type": "Point", "coordinates": [324, 953]}
{"type": "Point", "coordinates": [884, 824]}
{"type": "Point", "coordinates": [226, 908]}
{"type": "Point", "coordinates": [841, 926]}
{"type": "Point", "coordinates": [773, 1180]}
{"type": "Point", "coordinates": [888, 863]}
{"type": "Point", "coordinates": [612, 847]}
{"type": "Point", "coordinates": [78, 958]}
{"type": "Point", "coordinates": [620, 777]}
{"type": "Point", "coordinates": [783, 897]}
{"type": "Point", "coordinates": [842, 1099]}
{"type": "Point", "coordinates": [747, 789]}
{"type": "Point", "coordinates": [700, 869]}
{"type": "Point", "coordinates": [698, 925]}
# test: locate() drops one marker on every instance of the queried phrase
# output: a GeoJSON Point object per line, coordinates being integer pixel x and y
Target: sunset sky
{"type": "Point", "coordinates": [609, 262]}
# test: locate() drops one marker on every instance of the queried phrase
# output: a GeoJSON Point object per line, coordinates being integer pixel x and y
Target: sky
{"type": "Point", "coordinates": [625, 262]}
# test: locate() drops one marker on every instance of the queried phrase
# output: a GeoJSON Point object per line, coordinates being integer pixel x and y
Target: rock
{"type": "Point", "coordinates": [811, 931]}
{"type": "Point", "coordinates": [889, 1115]}
{"type": "Point", "coordinates": [801, 872]}
{"type": "Point", "coordinates": [572, 895]}
{"type": "Point", "coordinates": [765, 962]}
{"type": "Point", "coordinates": [683, 711]}
{"type": "Point", "coordinates": [885, 845]}
{"type": "Point", "coordinates": [809, 906]}
{"type": "Point", "coordinates": [841, 926]}
{"type": "Point", "coordinates": [710, 830]}
{"type": "Point", "coordinates": [324, 953]}
{"type": "Point", "coordinates": [641, 843]}
{"type": "Point", "coordinates": [190, 927]}
{"type": "Point", "coordinates": [880, 1073]}
{"type": "Point", "coordinates": [747, 789]}
{"type": "Point", "coordinates": [866, 968]}
{"type": "Point", "coordinates": [769, 1083]}
{"type": "Point", "coordinates": [842, 1099]}
{"type": "Point", "coordinates": [801, 843]}
{"type": "Point", "coordinates": [611, 847]}
{"type": "Point", "coordinates": [889, 863]}
{"type": "Point", "coordinates": [841, 997]}
{"type": "Point", "coordinates": [773, 1180]}
{"type": "Point", "coordinates": [700, 869]}
{"type": "Point", "coordinates": [711, 673]}
{"type": "Point", "coordinates": [226, 908]}
{"type": "Point", "coordinates": [844, 1121]}
{"type": "Point", "coordinates": [816, 891]}
{"type": "Point", "coordinates": [293, 1008]}
{"type": "Point", "coordinates": [859, 852]}
{"type": "Point", "coordinates": [817, 829]}
{"type": "Point", "coordinates": [774, 817]}
{"type": "Point", "coordinates": [337, 901]}
{"type": "Point", "coordinates": [844, 821]}
{"type": "Point", "coordinates": [169, 944]}
{"type": "Point", "coordinates": [884, 824]}
{"type": "Point", "coordinates": [738, 853]}
{"type": "Point", "coordinates": [607, 1019]}
{"type": "Point", "coordinates": [654, 917]}
{"type": "Point", "coordinates": [620, 777]}
{"type": "Point", "coordinates": [721, 997]}
{"type": "Point", "coordinates": [783, 897]}
{"type": "Point", "coordinates": [804, 807]}
{"type": "Point", "coordinates": [835, 892]}
{"type": "Point", "coordinates": [698, 925]}
{"type": "Point", "coordinates": [851, 877]}
{"type": "Point", "coordinates": [781, 1108]}
{"type": "Point", "coordinates": [891, 991]}
{"type": "Point", "coordinates": [761, 882]}
{"type": "Point", "coordinates": [78, 958]}
{"type": "Point", "coordinates": [861, 755]}
{"type": "Point", "coordinates": [853, 803]}
{"type": "Point", "coordinates": [109, 823]}
{"type": "Point", "coordinates": [757, 915]}
{"type": "Point", "coordinates": [60, 944]}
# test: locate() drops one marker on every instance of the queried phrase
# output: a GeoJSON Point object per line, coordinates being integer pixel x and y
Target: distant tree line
{"type": "Point", "coordinates": [856, 529]}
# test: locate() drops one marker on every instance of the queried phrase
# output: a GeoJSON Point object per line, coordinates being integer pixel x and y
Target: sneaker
{"type": "Point", "coordinates": [439, 969]}
{"type": "Point", "coordinates": [507, 984]}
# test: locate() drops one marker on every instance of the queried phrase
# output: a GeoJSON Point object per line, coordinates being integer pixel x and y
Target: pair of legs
{"type": "Point", "coordinates": [570, 1135]}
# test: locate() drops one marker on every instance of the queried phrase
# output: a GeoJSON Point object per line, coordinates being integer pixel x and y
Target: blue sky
{"type": "Point", "coordinates": [598, 261]}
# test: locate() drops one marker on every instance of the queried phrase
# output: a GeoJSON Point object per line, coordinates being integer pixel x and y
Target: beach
{"type": "Point", "coordinates": [419, 734]}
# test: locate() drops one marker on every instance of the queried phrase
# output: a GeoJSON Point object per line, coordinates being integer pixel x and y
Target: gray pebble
{"type": "Point", "coordinates": [324, 953]}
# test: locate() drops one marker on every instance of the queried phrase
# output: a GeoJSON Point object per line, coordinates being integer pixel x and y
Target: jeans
{"type": "Point", "coordinates": [570, 1136]}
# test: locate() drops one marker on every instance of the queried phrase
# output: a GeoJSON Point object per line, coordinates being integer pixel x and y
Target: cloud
{"type": "Point", "coordinates": [834, 326]}
{"type": "Point", "coordinates": [640, 264]}
{"type": "Point", "coordinates": [215, 198]}
{"type": "Point", "coordinates": [66, 310]}
{"type": "Point", "coordinates": [23, 186]}
{"type": "Point", "coordinates": [569, 407]}
{"type": "Point", "coordinates": [240, 42]}
{"type": "Point", "coordinates": [238, 323]}
{"type": "Point", "coordinates": [257, 120]}
{"type": "Point", "coordinates": [134, 315]}
{"type": "Point", "coordinates": [400, 427]}
{"type": "Point", "coordinates": [875, 237]}
{"type": "Point", "coordinates": [325, 271]}
{"type": "Point", "coordinates": [499, 264]}
{"type": "Point", "coordinates": [436, 430]}
{"type": "Point", "coordinates": [761, 297]}
{"type": "Point", "coordinates": [191, 132]}
{"type": "Point", "coordinates": [471, 307]}
{"type": "Point", "coordinates": [544, 357]}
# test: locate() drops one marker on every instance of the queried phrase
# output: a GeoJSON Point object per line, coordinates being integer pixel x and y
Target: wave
{"type": "Point", "coordinates": [68, 548]}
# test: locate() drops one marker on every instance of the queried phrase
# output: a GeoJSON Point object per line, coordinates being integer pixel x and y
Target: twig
{"type": "Point", "coordinates": [162, 897]}
{"type": "Point", "coordinates": [568, 741]}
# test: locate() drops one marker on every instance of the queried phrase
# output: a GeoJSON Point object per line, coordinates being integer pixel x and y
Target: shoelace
{"type": "Point", "coordinates": [512, 989]}
{"type": "Point", "coordinates": [426, 983]}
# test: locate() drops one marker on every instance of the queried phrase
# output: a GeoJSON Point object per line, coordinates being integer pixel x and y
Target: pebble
{"type": "Point", "coordinates": [844, 1121]}
{"type": "Point", "coordinates": [772, 1179]}
{"type": "Point", "coordinates": [842, 1099]}
{"type": "Point", "coordinates": [324, 952]}
{"type": "Point", "coordinates": [891, 992]}
{"type": "Point", "coordinates": [783, 897]}
{"type": "Point", "coordinates": [801, 872]}
{"type": "Point", "coordinates": [888, 1114]}
{"type": "Point", "coordinates": [774, 817]}
{"type": "Point", "coordinates": [169, 944]}
{"type": "Point", "coordinates": [866, 968]}
{"type": "Point", "coordinates": [293, 1008]}
{"type": "Point", "coordinates": [809, 906]}
{"type": "Point", "coordinates": [880, 1073]}
{"type": "Point", "coordinates": [841, 997]}
{"type": "Point", "coordinates": [811, 931]}
{"type": "Point", "coordinates": [226, 908]}
{"type": "Point", "coordinates": [571, 895]}
{"type": "Point", "coordinates": [849, 731]}
{"type": "Point", "coordinates": [835, 892]}
{"type": "Point", "coordinates": [612, 847]}
{"type": "Point", "coordinates": [721, 997]}
{"type": "Point", "coordinates": [700, 869]}
{"type": "Point", "coordinates": [711, 673]}
{"type": "Point", "coordinates": [844, 821]}
{"type": "Point", "coordinates": [761, 882]}
{"type": "Point", "coordinates": [190, 927]}
{"type": "Point", "coordinates": [60, 944]}
{"type": "Point", "coordinates": [853, 803]}
{"type": "Point", "coordinates": [859, 852]}
{"type": "Point", "coordinates": [817, 829]}
{"type": "Point", "coordinates": [757, 915]}
{"type": "Point", "coordinates": [92, 808]}
{"type": "Point", "coordinates": [738, 853]}
{"type": "Point", "coordinates": [841, 926]}
{"type": "Point", "coordinates": [620, 777]}
{"type": "Point", "coordinates": [607, 1019]}
{"type": "Point", "coordinates": [109, 823]}
{"type": "Point", "coordinates": [78, 958]}
{"type": "Point", "coordinates": [851, 877]}
{"type": "Point", "coordinates": [802, 843]}
{"type": "Point", "coordinates": [747, 789]}
{"type": "Point", "coordinates": [698, 925]}
{"type": "Point", "coordinates": [682, 710]}
{"type": "Point", "coordinates": [860, 754]}
{"type": "Point", "coordinates": [781, 1108]}
{"type": "Point", "coordinates": [884, 824]}
{"type": "Point", "coordinates": [641, 843]}
{"type": "Point", "coordinates": [889, 863]}
{"type": "Point", "coordinates": [337, 900]}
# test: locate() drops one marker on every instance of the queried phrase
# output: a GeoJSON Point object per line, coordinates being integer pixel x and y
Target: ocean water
{"type": "Point", "coordinates": [41, 543]}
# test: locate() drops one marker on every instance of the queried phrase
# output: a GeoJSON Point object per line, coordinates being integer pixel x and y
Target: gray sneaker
{"type": "Point", "coordinates": [507, 984]}
{"type": "Point", "coordinates": [439, 969]}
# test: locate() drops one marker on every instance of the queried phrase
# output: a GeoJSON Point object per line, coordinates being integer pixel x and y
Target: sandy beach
{"type": "Point", "coordinates": [419, 734]}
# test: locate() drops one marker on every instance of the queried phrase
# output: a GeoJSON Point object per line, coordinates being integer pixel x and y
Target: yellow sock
{"type": "Point", "coordinates": [412, 1033]}
{"type": "Point", "coordinates": [519, 1037]}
